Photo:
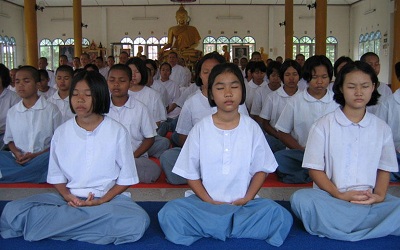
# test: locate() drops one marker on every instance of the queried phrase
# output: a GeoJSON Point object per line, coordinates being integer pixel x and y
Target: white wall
{"type": "Point", "coordinates": [13, 26]}
{"type": "Point", "coordinates": [378, 20]}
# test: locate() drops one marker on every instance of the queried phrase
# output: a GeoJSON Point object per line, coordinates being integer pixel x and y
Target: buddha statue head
{"type": "Point", "coordinates": [182, 16]}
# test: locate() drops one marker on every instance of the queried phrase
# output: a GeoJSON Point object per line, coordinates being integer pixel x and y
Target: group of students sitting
{"type": "Point", "coordinates": [94, 153]}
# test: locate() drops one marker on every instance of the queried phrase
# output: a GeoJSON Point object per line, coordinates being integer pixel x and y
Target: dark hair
{"type": "Point", "coordinates": [77, 71]}
{"type": "Point", "coordinates": [351, 67]}
{"type": "Point", "coordinates": [139, 63]}
{"type": "Point", "coordinates": [313, 62]}
{"type": "Point", "coordinates": [5, 76]}
{"type": "Point", "coordinates": [98, 89]}
{"type": "Point", "coordinates": [100, 58]}
{"type": "Point", "coordinates": [111, 57]}
{"type": "Point", "coordinates": [255, 53]}
{"type": "Point", "coordinates": [121, 67]}
{"type": "Point", "coordinates": [152, 63]}
{"type": "Point", "coordinates": [32, 70]}
{"type": "Point", "coordinates": [339, 61]}
{"type": "Point", "coordinates": [65, 68]}
{"type": "Point", "coordinates": [90, 65]}
{"type": "Point", "coordinates": [43, 58]}
{"type": "Point", "coordinates": [124, 52]}
{"type": "Point", "coordinates": [287, 64]}
{"type": "Point", "coordinates": [259, 66]}
{"type": "Point", "coordinates": [43, 72]}
{"type": "Point", "coordinates": [273, 66]}
{"type": "Point", "coordinates": [363, 58]}
{"type": "Point", "coordinates": [397, 70]}
{"type": "Point", "coordinates": [166, 63]}
{"type": "Point", "coordinates": [63, 56]}
{"type": "Point", "coordinates": [302, 55]}
{"type": "Point", "coordinates": [248, 67]}
{"type": "Point", "coordinates": [220, 69]}
{"type": "Point", "coordinates": [173, 52]}
{"type": "Point", "coordinates": [86, 55]}
{"type": "Point", "coordinates": [213, 56]}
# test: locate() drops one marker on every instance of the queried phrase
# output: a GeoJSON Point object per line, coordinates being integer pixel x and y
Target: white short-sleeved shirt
{"type": "Point", "coordinates": [49, 93]}
{"type": "Point", "coordinates": [188, 92]}
{"type": "Point", "coordinates": [31, 129]}
{"type": "Point", "coordinates": [259, 98]}
{"type": "Point", "coordinates": [63, 106]}
{"type": "Point", "coordinates": [101, 158]}
{"type": "Point", "coordinates": [152, 100]}
{"type": "Point", "coordinates": [225, 160]}
{"type": "Point", "coordinates": [389, 111]}
{"type": "Point", "coordinates": [179, 75]}
{"type": "Point", "coordinates": [8, 98]}
{"type": "Point", "coordinates": [273, 105]}
{"type": "Point", "coordinates": [195, 109]}
{"type": "Point", "coordinates": [52, 81]}
{"type": "Point", "coordinates": [251, 89]}
{"type": "Point", "coordinates": [350, 154]}
{"type": "Point", "coordinates": [11, 88]}
{"type": "Point", "coordinates": [160, 88]}
{"type": "Point", "coordinates": [136, 119]}
{"type": "Point", "coordinates": [302, 85]}
{"type": "Point", "coordinates": [104, 71]}
{"type": "Point", "coordinates": [301, 111]}
{"type": "Point", "coordinates": [385, 92]}
{"type": "Point", "coordinates": [172, 90]}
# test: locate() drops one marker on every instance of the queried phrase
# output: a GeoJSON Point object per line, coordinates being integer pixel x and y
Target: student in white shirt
{"type": "Point", "coordinates": [156, 85]}
{"type": "Point", "coordinates": [350, 154]}
{"type": "Point", "coordinates": [260, 95]}
{"type": "Point", "coordinates": [389, 111]}
{"type": "Point", "coordinates": [30, 126]}
{"type": "Point", "coordinates": [42, 64]}
{"type": "Point", "coordinates": [300, 112]}
{"type": "Point", "coordinates": [383, 89]}
{"type": "Point", "coordinates": [91, 166]}
{"type": "Point", "coordinates": [44, 88]}
{"type": "Point", "coordinates": [174, 93]}
{"type": "Point", "coordinates": [226, 160]}
{"type": "Point", "coordinates": [64, 75]}
{"type": "Point", "coordinates": [195, 108]}
{"type": "Point", "coordinates": [258, 70]}
{"type": "Point", "coordinates": [8, 98]}
{"type": "Point", "coordinates": [151, 99]}
{"type": "Point", "coordinates": [275, 102]}
{"type": "Point", "coordinates": [136, 118]}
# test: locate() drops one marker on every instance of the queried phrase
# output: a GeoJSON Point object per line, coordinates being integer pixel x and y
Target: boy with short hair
{"type": "Point", "coordinates": [44, 88]}
{"type": "Point", "coordinates": [64, 75]}
{"type": "Point", "coordinates": [30, 126]}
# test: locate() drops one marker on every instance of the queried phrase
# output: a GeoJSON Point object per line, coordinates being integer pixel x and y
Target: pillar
{"type": "Point", "coordinates": [31, 33]}
{"type": "Point", "coordinates": [320, 27]}
{"type": "Point", "coordinates": [288, 29]}
{"type": "Point", "coordinates": [396, 43]}
{"type": "Point", "coordinates": [77, 9]}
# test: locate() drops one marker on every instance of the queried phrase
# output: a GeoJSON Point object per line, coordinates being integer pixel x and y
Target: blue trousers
{"type": "Point", "coordinates": [289, 166]}
{"type": "Point", "coordinates": [395, 176]}
{"type": "Point", "coordinates": [34, 171]}
{"type": "Point", "coordinates": [326, 216]}
{"type": "Point", "coordinates": [167, 161]}
{"type": "Point", "coordinates": [148, 171]}
{"type": "Point", "coordinates": [159, 146]}
{"type": "Point", "coordinates": [189, 219]}
{"type": "Point", "coordinates": [49, 216]}
{"type": "Point", "coordinates": [274, 143]}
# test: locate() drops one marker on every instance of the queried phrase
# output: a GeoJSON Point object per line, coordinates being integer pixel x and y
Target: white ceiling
{"type": "Point", "coordinates": [59, 3]}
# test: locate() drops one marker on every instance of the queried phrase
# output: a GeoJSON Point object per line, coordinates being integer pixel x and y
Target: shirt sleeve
{"type": "Point", "coordinates": [188, 162]}
{"type": "Point", "coordinates": [285, 122]}
{"type": "Point", "coordinates": [185, 123]}
{"type": "Point", "coordinates": [314, 155]}
{"type": "Point", "coordinates": [124, 159]}
{"type": "Point", "coordinates": [266, 111]}
{"type": "Point", "coordinates": [54, 174]}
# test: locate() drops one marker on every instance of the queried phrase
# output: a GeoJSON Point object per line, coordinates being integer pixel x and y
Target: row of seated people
{"type": "Point", "coordinates": [349, 154]}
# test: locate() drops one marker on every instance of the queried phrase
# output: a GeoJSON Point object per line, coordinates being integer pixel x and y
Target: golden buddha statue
{"type": "Point", "coordinates": [182, 38]}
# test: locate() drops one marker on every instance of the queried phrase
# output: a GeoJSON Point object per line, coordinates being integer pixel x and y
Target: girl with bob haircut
{"type": "Point", "coordinates": [350, 154]}
{"type": "Point", "coordinates": [90, 184]}
{"type": "Point", "coordinates": [225, 178]}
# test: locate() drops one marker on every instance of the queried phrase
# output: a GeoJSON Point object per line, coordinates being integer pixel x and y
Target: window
{"type": "Point", "coordinates": [139, 41]}
{"type": "Point", "coordinates": [305, 46]}
{"type": "Point", "coordinates": [45, 49]}
{"type": "Point", "coordinates": [152, 48]}
{"type": "Point", "coordinates": [7, 51]}
{"type": "Point", "coordinates": [69, 41]}
{"type": "Point", "coordinates": [209, 45]}
{"type": "Point", "coordinates": [53, 61]}
{"type": "Point", "coordinates": [377, 40]}
{"type": "Point", "coordinates": [295, 47]}
{"type": "Point", "coordinates": [85, 42]}
{"type": "Point", "coordinates": [361, 45]}
{"type": "Point", "coordinates": [331, 48]}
